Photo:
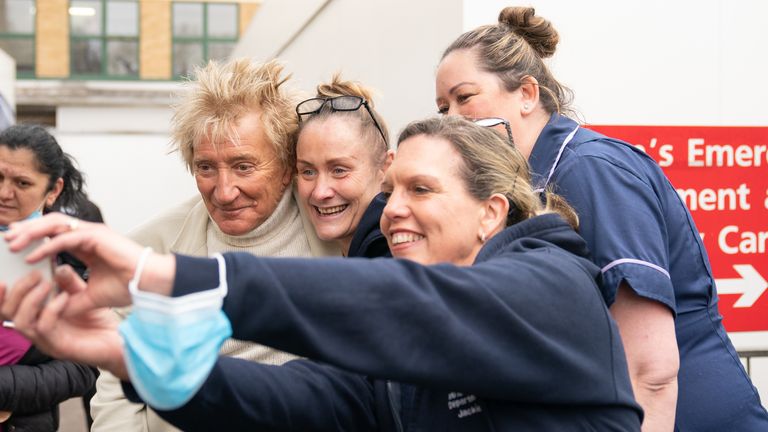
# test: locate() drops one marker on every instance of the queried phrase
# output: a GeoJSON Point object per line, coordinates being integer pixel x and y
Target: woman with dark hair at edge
{"type": "Point", "coordinates": [37, 177]}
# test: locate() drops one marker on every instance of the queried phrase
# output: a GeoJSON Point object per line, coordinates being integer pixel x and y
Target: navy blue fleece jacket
{"type": "Point", "coordinates": [521, 340]}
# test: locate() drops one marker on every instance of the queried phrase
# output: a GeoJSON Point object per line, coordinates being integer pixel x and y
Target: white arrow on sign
{"type": "Point", "coordinates": [750, 285]}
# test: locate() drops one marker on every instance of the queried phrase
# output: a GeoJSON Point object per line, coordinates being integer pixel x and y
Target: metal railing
{"type": "Point", "coordinates": [749, 355]}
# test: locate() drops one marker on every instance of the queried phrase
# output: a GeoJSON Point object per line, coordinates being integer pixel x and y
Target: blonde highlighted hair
{"type": "Point", "coordinates": [514, 49]}
{"type": "Point", "coordinates": [491, 165]}
{"type": "Point", "coordinates": [222, 93]}
{"type": "Point", "coordinates": [368, 131]}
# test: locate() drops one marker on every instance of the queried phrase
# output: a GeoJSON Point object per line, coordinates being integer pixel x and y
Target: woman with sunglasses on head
{"type": "Point", "coordinates": [341, 156]}
{"type": "Point", "coordinates": [490, 316]}
{"type": "Point", "coordinates": [656, 275]}
{"type": "Point", "coordinates": [36, 176]}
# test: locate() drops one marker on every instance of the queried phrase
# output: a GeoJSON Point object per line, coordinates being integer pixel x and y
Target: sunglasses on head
{"type": "Point", "coordinates": [338, 103]}
{"type": "Point", "coordinates": [493, 122]}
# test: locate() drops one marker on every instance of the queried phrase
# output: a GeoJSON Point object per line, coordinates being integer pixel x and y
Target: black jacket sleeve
{"type": "Point", "coordinates": [29, 389]}
{"type": "Point", "coordinates": [299, 396]}
{"type": "Point", "coordinates": [496, 329]}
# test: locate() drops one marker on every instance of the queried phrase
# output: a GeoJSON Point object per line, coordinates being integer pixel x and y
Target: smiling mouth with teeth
{"type": "Point", "coordinates": [400, 238]}
{"type": "Point", "coordinates": [330, 211]}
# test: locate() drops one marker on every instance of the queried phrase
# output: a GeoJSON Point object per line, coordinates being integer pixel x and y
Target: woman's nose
{"type": "Point", "coordinates": [6, 190]}
{"type": "Point", "coordinates": [323, 189]}
{"type": "Point", "coordinates": [396, 207]}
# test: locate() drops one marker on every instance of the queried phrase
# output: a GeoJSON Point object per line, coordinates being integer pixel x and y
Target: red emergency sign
{"type": "Point", "coordinates": [721, 173]}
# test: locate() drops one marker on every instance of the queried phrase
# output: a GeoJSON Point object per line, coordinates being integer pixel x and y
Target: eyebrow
{"type": "Point", "coordinates": [336, 160]}
{"type": "Point", "coordinates": [424, 178]}
{"type": "Point", "coordinates": [453, 89]}
{"type": "Point", "coordinates": [234, 158]}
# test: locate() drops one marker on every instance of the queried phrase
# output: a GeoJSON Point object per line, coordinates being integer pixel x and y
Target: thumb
{"type": "Point", "coordinates": [68, 280]}
{"type": "Point", "coordinates": [50, 314]}
{"type": "Point", "coordinates": [79, 303]}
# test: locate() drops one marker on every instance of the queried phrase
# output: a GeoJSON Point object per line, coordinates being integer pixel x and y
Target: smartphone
{"type": "Point", "coordinates": [13, 267]}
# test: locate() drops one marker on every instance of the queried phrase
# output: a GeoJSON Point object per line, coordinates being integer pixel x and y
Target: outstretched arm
{"type": "Point", "coordinates": [482, 328]}
{"type": "Point", "coordinates": [300, 395]}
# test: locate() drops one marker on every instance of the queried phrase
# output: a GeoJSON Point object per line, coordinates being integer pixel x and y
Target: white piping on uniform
{"type": "Point", "coordinates": [560, 153]}
{"type": "Point", "coordinates": [634, 261]}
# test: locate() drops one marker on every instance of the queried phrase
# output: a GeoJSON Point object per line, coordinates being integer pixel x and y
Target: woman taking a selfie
{"type": "Point", "coordinates": [35, 177]}
{"type": "Point", "coordinates": [488, 318]}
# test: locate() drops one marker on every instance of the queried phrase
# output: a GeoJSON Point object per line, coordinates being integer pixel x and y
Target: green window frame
{"type": "Point", "coordinates": [207, 44]}
{"type": "Point", "coordinates": [92, 54]}
{"type": "Point", "coordinates": [10, 39]}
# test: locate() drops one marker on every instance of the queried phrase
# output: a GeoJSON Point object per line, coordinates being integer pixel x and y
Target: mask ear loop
{"type": "Point", "coordinates": [133, 285]}
{"type": "Point", "coordinates": [223, 287]}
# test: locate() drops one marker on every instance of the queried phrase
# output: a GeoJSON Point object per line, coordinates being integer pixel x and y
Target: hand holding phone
{"type": "Point", "coordinates": [13, 266]}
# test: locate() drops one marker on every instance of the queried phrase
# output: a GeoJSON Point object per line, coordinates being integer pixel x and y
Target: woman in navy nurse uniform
{"type": "Point", "coordinates": [656, 275]}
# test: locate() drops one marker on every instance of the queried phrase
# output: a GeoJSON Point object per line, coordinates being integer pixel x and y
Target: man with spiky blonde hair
{"type": "Point", "coordinates": [234, 128]}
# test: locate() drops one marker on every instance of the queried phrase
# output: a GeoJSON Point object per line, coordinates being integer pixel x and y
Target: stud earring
{"type": "Point", "coordinates": [526, 106]}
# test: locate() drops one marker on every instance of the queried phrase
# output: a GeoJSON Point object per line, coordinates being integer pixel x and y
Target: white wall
{"type": "Point", "coordinates": [7, 77]}
{"type": "Point", "coordinates": [657, 62]}
{"type": "Point", "coordinates": [125, 155]}
{"type": "Point", "coordinates": [392, 46]}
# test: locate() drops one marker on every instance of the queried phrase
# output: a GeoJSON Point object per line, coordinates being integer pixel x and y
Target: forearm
{"type": "Point", "coordinates": [32, 389]}
{"type": "Point", "coordinates": [659, 401]}
{"type": "Point", "coordinates": [453, 326]}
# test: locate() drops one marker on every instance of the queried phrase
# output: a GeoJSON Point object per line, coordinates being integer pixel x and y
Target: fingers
{"type": "Point", "coordinates": [26, 315]}
{"type": "Point", "coordinates": [51, 314]}
{"type": "Point", "coordinates": [50, 225]}
{"type": "Point", "coordinates": [68, 280]}
{"type": "Point", "coordinates": [68, 241]}
{"type": "Point", "coordinates": [20, 289]}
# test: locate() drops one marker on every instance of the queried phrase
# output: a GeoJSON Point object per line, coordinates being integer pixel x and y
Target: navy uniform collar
{"type": "Point", "coordinates": [549, 146]}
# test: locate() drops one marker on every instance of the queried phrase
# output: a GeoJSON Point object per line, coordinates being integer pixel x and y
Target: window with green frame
{"type": "Point", "coordinates": [201, 32]}
{"type": "Point", "coordinates": [104, 39]}
{"type": "Point", "coordinates": [17, 34]}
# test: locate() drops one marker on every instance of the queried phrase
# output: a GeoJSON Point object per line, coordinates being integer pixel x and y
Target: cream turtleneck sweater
{"type": "Point", "coordinates": [282, 234]}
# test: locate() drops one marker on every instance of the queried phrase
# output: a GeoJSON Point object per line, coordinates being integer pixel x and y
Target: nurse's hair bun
{"type": "Point", "coordinates": [340, 87]}
{"type": "Point", "coordinates": [537, 31]}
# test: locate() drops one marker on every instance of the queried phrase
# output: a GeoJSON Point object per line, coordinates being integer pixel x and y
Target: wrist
{"type": "Point", "coordinates": [114, 362]}
{"type": "Point", "coordinates": [158, 274]}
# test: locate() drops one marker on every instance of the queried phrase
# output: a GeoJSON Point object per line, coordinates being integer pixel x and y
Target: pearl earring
{"type": "Point", "coordinates": [526, 106]}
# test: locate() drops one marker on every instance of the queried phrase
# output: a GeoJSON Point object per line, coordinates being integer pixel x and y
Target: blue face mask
{"type": "Point", "coordinates": [171, 344]}
{"type": "Point", "coordinates": [35, 214]}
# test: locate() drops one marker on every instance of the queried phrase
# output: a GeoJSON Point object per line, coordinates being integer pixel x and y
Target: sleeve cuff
{"type": "Point", "coordinates": [194, 274]}
{"type": "Point", "coordinates": [646, 281]}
